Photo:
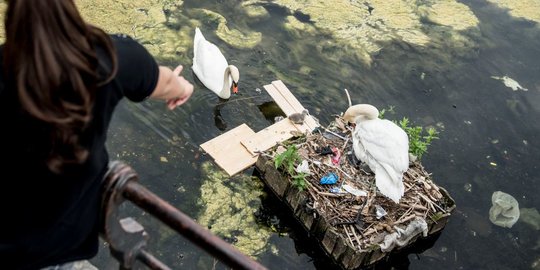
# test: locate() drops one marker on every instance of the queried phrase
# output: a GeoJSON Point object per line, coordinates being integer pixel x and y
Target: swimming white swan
{"type": "Point", "coordinates": [383, 146]}
{"type": "Point", "coordinates": [212, 68]}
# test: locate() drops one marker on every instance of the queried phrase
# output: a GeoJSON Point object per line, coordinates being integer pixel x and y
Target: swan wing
{"type": "Point", "coordinates": [389, 184]}
{"type": "Point", "coordinates": [386, 142]}
{"type": "Point", "coordinates": [387, 179]}
{"type": "Point", "coordinates": [386, 150]}
{"type": "Point", "coordinates": [209, 63]}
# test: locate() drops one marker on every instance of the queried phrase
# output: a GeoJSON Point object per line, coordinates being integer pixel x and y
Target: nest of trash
{"type": "Point", "coordinates": [342, 191]}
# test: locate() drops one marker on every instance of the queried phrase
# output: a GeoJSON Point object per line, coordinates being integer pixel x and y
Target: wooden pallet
{"type": "Point", "coordinates": [237, 149]}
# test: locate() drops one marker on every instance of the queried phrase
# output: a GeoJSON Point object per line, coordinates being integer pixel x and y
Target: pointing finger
{"type": "Point", "coordinates": [177, 70]}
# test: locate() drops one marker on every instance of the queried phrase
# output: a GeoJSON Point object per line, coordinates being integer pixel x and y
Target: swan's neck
{"type": "Point", "coordinates": [226, 91]}
{"type": "Point", "coordinates": [365, 114]}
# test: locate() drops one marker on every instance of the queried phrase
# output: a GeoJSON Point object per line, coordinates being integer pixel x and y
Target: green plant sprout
{"type": "Point", "coordinates": [383, 111]}
{"type": "Point", "coordinates": [287, 161]}
{"type": "Point", "coordinates": [419, 138]}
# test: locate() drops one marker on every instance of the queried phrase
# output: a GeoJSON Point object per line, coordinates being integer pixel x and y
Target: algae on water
{"type": "Point", "coordinates": [233, 37]}
{"type": "Point", "coordinates": [144, 20]}
{"type": "Point", "coordinates": [360, 28]}
{"type": "Point", "coordinates": [160, 25]}
{"type": "Point", "coordinates": [364, 26]}
{"type": "Point", "coordinates": [527, 9]}
{"type": "Point", "coordinates": [228, 207]}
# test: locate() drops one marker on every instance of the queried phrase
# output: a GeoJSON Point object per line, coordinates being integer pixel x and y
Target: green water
{"type": "Point", "coordinates": [487, 140]}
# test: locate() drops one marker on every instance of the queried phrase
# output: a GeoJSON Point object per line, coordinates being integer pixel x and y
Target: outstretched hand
{"type": "Point", "coordinates": [186, 89]}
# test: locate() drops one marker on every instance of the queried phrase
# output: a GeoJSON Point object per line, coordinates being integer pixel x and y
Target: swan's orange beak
{"type": "Point", "coordinates": [235, 88]}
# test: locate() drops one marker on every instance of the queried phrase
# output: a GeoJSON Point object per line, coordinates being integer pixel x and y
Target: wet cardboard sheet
{"type": "Point", "coordinates": [228, 152]}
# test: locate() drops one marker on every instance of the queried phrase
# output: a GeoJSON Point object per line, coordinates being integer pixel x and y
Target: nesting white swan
{"type": "Point", "coordinates": [383, 146]}
{"type": "Point", "coordinates": [212, 68]}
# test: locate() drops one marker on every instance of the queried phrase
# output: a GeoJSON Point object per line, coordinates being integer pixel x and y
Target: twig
{"type": "Point", "coordinates": [348, 97]}
{"type": "Point", "coordinates": [238, 99]}
{"type": "Point", "coordinates": [330, 194]}
{"type": "Point", "coordinates": [335, 134]}
{"type": "Point", "coordinates": [355, 236]}
{"type": "Point", "coordinates": [333, 167]}
{"type": "Point", "coordinates": [348, 235]}
{"type": "Point", "coordinates": [345, 145]}
{"type": "Point", "coordinates": [370, 231]}
{"type": "Point", "coordinates": [414, 206]}
{"type": "Point", "coordinates": [405, 219]}
{"type": "Point", "coordinates": [263, 154]}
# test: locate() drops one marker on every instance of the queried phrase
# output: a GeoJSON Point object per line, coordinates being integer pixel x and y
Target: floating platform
{"type": "Point", "coordinates": [347, 225]}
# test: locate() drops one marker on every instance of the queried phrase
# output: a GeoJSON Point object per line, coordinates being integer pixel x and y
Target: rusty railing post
{"type": "Point", "coordinates": [127, 238]}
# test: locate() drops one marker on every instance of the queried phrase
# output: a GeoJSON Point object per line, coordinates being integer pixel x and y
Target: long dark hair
{"type": "Point", "coordinates": [50, 57]}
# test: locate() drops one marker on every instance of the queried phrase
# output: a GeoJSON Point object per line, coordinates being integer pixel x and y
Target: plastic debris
{"type": "Point", "coordinates": [379, 211]}
{"type": "Point", "coordinates": [468, 187]}
{"type": "Point", "coordinates": [329, 179]}
{"type": "Point", "coordinates": [511, 83]}
{"type": "Point", "coordinates": [326, 150]}
{"type": "Point", "coordinates": [531, 217]}
{"type": "Point", "coordinates": [336, 155]}
{"type": "Point", "coordinates": [278, 118]}
{"type": "Point", "coordinates": [351, 157]}
{"type": "Point", "coordinates": [401, 237]}
{"type": "Point", "coordinates": [337, 190]}
{"type": "Point", "coordinates": [505, 209]}
{"type": "Point", "coordinates": [354, 191]}
{"type": "Point", "coordinates": [332, 135]}
{"type": "Point", "coordinates": [303, 167]}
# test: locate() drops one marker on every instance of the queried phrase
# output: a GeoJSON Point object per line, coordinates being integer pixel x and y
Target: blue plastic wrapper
{"type": "Point", "coordinates": [329, 179]}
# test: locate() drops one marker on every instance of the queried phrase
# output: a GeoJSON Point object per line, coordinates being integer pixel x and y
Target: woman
{"type": "Point", "coordinates": [60, 80]}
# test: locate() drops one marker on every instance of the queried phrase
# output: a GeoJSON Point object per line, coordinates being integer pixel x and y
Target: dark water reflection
{"type": "Point", "coordinates": [481, 122]}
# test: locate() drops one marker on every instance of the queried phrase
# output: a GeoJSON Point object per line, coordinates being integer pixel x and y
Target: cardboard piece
{"type": "Point", "coordinates": [270, 136]}
{"type": "Point", "coordinates": [228, 152]}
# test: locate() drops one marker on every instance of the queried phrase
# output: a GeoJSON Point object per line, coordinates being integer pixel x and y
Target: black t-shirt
{"type": "Point", "coordinates": [45, 218]}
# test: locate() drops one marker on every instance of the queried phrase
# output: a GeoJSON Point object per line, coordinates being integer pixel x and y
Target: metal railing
{"type": "Point", "coordinates": [127, 238]}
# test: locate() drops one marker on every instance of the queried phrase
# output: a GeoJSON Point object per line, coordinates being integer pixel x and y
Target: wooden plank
{"type": "Point", "coordinates": [280, 100]}
{"type": "Point", "coordinates": [286, 93]}
{"type": "Point", "coordinates": [310, 123]}
{"type": "Point", "coordinates": [270, 136]}
{"type": "Point", "coordinates": [228, 152]}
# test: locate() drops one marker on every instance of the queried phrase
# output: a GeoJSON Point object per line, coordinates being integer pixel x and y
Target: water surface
{"type": "Point", "coordinates": [488, 140]}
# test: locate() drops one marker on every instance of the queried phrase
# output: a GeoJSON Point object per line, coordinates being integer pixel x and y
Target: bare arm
{"type": "Point", "coordinates": [172, 87]}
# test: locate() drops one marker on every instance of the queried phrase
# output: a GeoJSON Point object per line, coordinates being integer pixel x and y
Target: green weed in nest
{"type": "Point", "coordinates": [287, 162]}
